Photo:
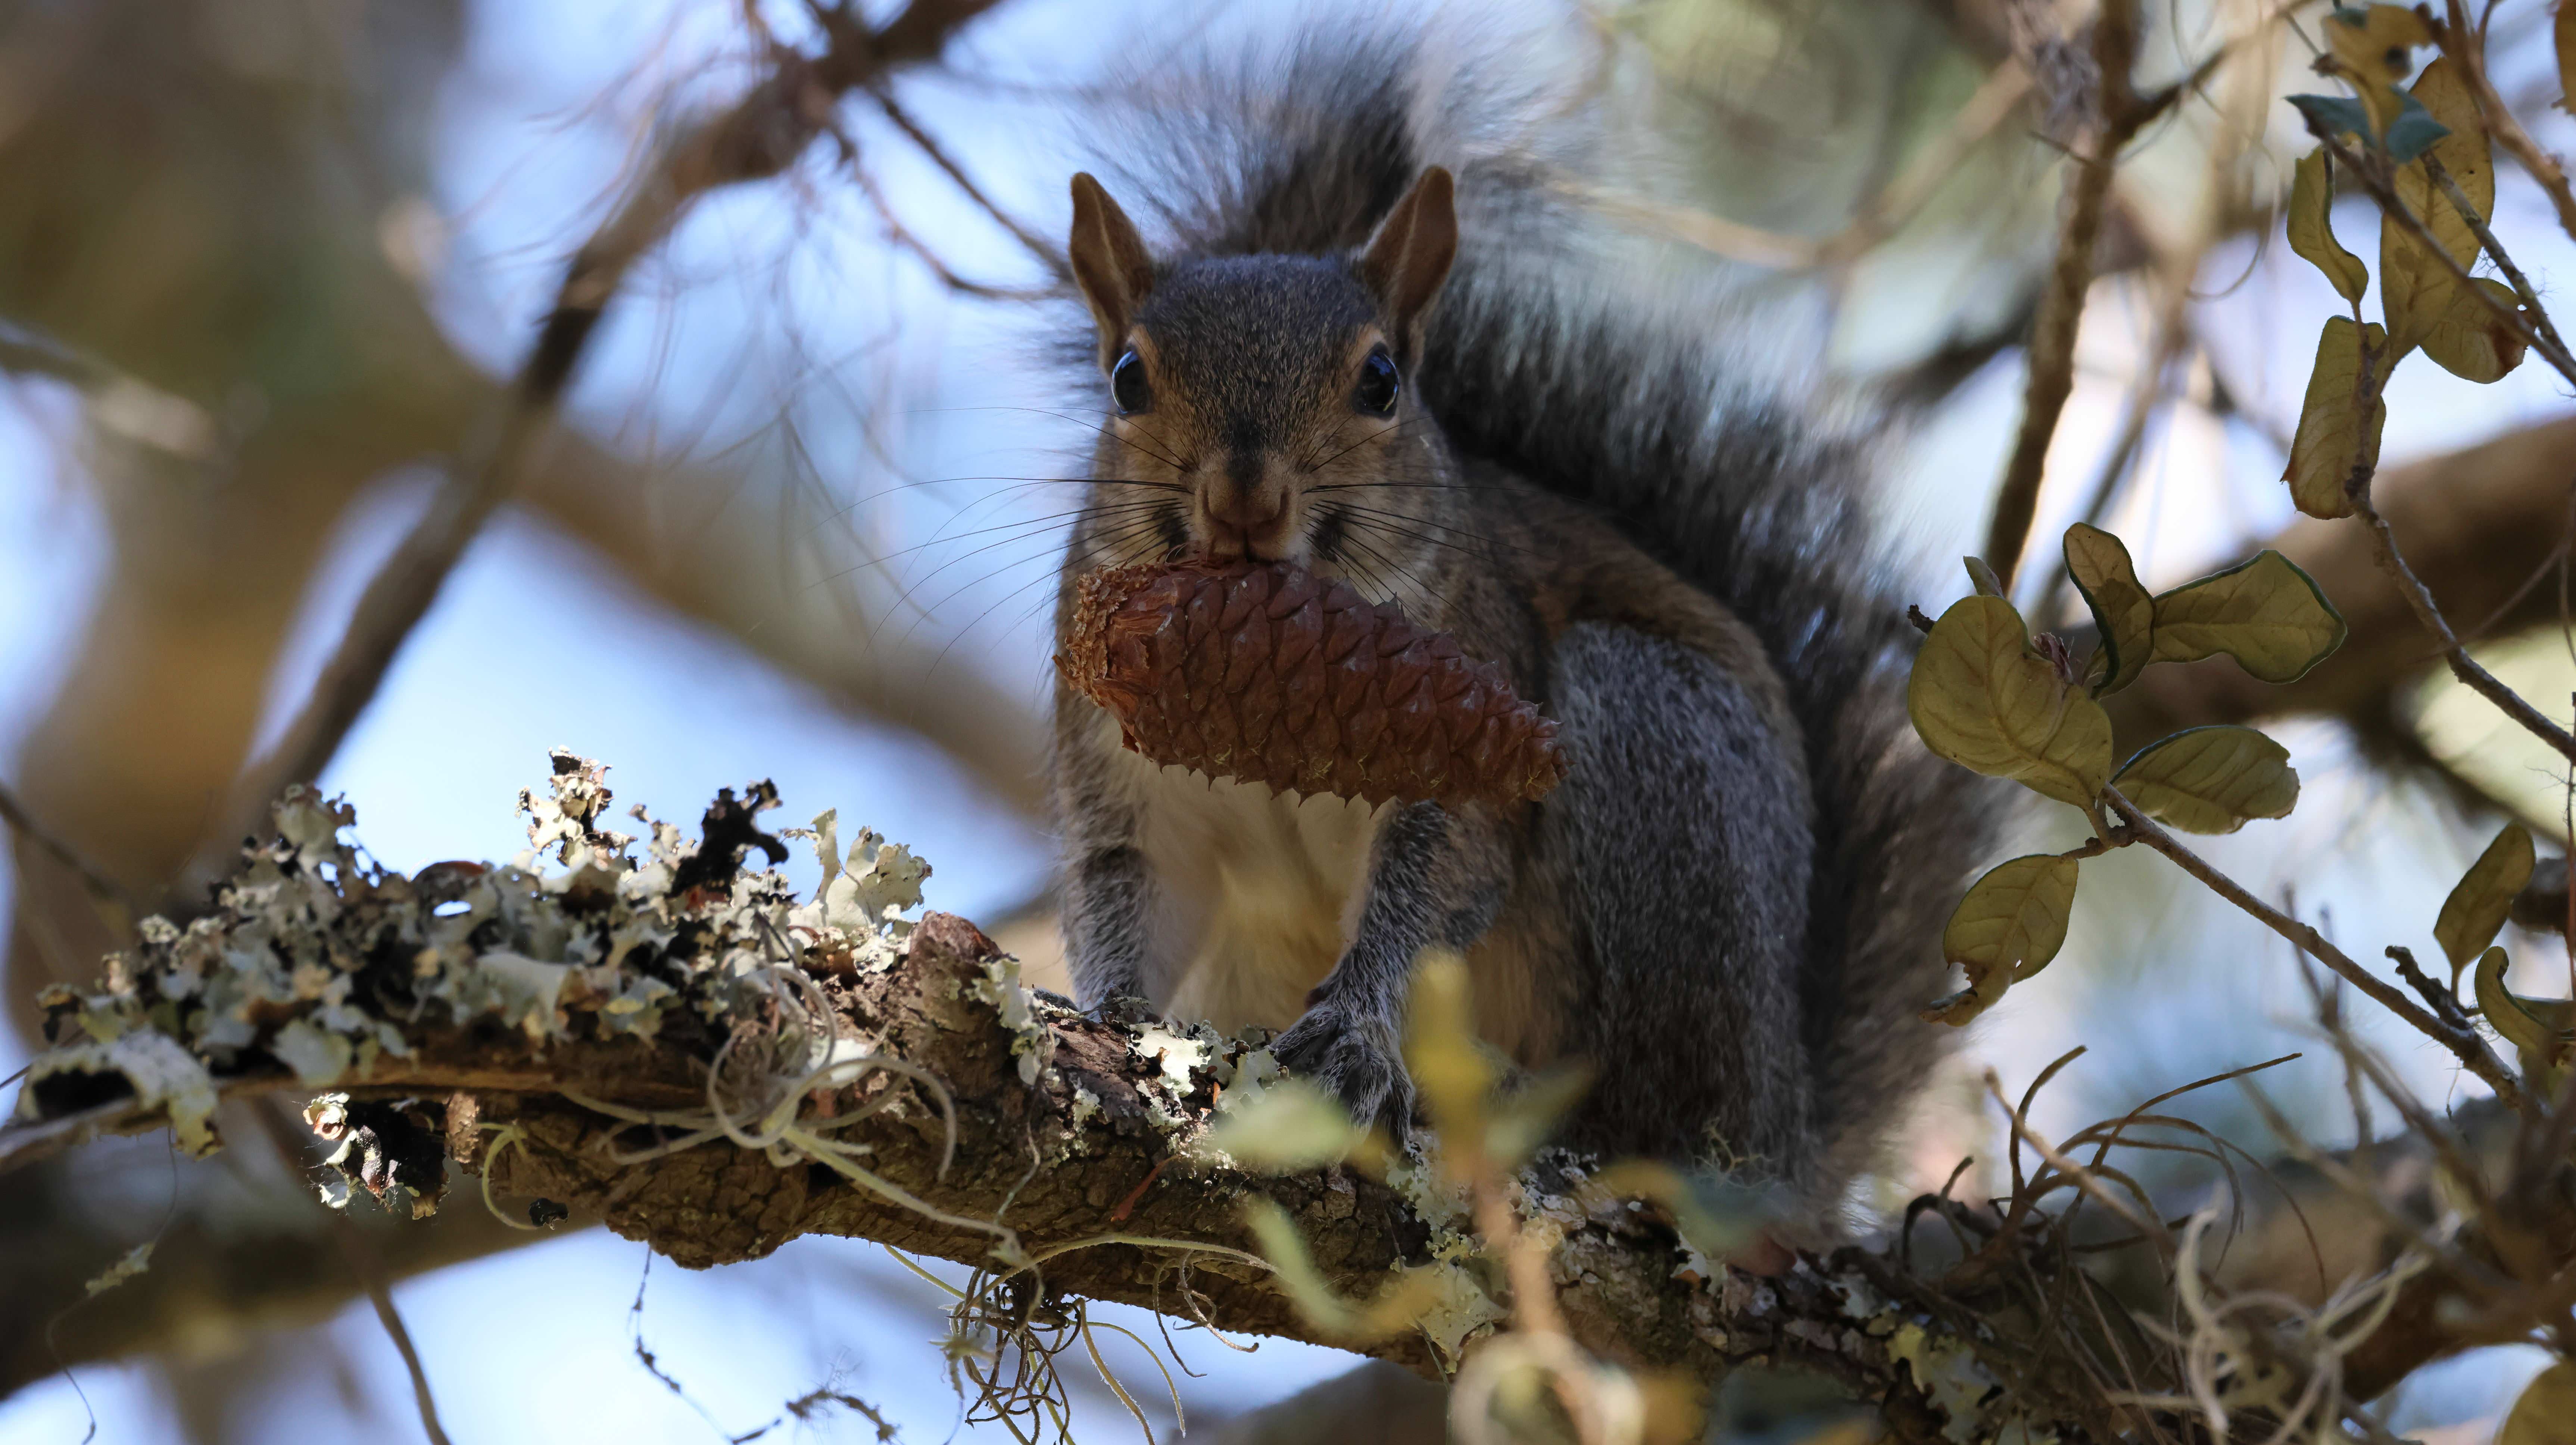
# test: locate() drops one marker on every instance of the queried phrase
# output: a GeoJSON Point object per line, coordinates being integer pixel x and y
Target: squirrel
{"type": "Point", "coordinates": [1365, 348]}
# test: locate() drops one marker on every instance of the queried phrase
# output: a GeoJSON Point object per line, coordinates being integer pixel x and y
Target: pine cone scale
{"type": "Point", "coordinates": [1268, 673]}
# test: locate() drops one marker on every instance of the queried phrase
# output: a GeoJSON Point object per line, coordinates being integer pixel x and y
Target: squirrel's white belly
{"type": "Point", "coordinates": [1256, 891]}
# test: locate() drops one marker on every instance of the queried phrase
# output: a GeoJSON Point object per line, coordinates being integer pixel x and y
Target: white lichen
{"type": "Point", "coordinates": [863, 896]}
{"type": "Point", "coordinates": [1032, 1041]}
{"type": "Point", "coordinates": [317, 959]}
{"type": "Point", "coordinates": [1177, 1055]}
{"type": "Point", "coordinates": [162, 1074]}
{"type": "Point", "coordinates": [1947, 1371]}
{"type": "Point", "coordinates": [1459, 1310]}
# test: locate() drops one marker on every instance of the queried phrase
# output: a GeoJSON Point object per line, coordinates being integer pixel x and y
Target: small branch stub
{"type": "Point", "coordinates": [1271, 674]}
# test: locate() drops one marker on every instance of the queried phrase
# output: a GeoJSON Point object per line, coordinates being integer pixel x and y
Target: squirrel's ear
{"type": "Point", "coordinates": [1410, 255]}
{"type": "Point", "coordinates": [1109, 264]}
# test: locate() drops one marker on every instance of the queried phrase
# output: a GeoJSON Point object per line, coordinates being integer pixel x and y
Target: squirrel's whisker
{"type": "Point", "coordinates": [1040, 530]}
{"type": "Point", "coordinates": [1025, 524]}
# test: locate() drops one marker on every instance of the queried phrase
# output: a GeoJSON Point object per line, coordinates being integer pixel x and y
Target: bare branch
{"type": "Point", "coordinates": [758, 137]}
{"type": "Point", "coordinates": [102, 889]}
{"type": "Point", "coordinates": [2467, 46]}
{"type": "Point", "coordinates": [2120, 114]}
{"type": "Point", "coordinates": [2478, 524]}
{"type": "Point", "coordinates": [2472, 1050]}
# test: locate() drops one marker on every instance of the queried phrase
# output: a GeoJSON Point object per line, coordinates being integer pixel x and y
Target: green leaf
{"type": "Point", "coordinates": [2330, 115]}
{"type": "Point", "coordinates": [2546, 1413]}
{"type": "Point", "coordinates": [1395, 1309]}
{"type": "Point", "coordinates": [1451, 1071]}
{"type": "Point", "coordinates": [1292, 1125]}
{"type": "Point", "coordinates": [2267, 614]}
{"type": "Point", "coordinates": [1527, 1117]}
{"type": "Point", "coordinates": [1983, 699]}
{"type": "Point", "coordinates": [2333, 438]}
{"type": "Point", "coordinates": [2211, 779]}
{"type": "Point", "coordinates": [2122, 611]}
{"type": "Point", "coordinates": [1982, 577]}
{"type": "Point", "coordinates": [2007, 928]}
{"type": "Point", "coordinates": [1715, 1211]}
{"type": "Point", "coordinates": [2414, 131]}
{"type": "Point", "coordinates": [2483, 897]}
{"type": "Point", "coordinates": [2311, 225]}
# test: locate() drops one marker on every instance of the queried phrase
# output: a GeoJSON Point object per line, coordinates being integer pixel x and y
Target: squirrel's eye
{"type": "Point", "coordinates": [1127, 384]}
{"type": "Point", "coordinates": [1378, 385]}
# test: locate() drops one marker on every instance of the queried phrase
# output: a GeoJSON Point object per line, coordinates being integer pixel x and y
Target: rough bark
{"type": "Point", "coordinates": [1079, 1158]}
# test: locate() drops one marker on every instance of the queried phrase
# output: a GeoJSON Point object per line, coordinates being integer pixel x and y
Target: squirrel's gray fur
{"type": "Point", "coordinates": [1751, 859]}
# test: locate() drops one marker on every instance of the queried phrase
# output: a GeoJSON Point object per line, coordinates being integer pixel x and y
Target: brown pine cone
{"type": "Point", "coordinates": [1268, 673]}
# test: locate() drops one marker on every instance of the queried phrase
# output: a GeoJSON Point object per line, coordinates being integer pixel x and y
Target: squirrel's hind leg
{"type": "Point", "coordinates": [1681, 837]}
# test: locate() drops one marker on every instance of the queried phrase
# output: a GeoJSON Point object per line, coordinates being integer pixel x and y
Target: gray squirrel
{"type": "Point", "coordinates": [1367, 340]}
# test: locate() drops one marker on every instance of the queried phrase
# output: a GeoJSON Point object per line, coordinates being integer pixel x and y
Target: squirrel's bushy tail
{"type": "Point", "coordinates": [1598, 366]}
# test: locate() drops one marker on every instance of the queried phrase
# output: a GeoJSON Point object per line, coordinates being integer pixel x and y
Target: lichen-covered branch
{"type": "Point", "coordinates": [706, 1060]}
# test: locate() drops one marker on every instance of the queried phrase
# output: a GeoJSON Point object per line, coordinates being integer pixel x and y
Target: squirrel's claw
{"type": "Point", "coordinates": [1357, 1060]}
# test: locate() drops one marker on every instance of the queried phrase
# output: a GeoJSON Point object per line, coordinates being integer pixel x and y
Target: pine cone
{"type": "Point", "coordinates": [1271, 674]}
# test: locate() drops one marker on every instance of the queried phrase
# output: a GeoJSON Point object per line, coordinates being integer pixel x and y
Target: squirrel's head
{"type": "Point", "coordinates": [1249, 388]}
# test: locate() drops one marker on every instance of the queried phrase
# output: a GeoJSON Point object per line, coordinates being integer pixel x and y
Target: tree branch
{"type": "Point", "coordinates": [2479, 526]}
{"type": "Point", "coordinates": [2120, 112]}
{"type": "Point", "coordinates": [701, 1061]}
{"type": "Point", "coordinates": [757, 138]}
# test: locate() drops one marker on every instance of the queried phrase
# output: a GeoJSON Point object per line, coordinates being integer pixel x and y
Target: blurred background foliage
{"type": "Point", "coordinates": [265, 265]}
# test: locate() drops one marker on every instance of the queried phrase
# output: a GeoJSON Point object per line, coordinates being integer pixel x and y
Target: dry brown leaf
{"type": "Point", "coordinates": [2480, 901]}
{"type": "Point", "coordinates": [2312, 227]}
{"type": "Point", "coordinates": [2416, 288]}
{"type": "Point", "coordinates": [2333, 438]}
{"type": "Point", "coordinates": [2471, 341]}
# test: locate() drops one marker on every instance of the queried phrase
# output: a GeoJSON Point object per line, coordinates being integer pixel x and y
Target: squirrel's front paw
{"type": "Point", "coordinates": [1353, 1058]}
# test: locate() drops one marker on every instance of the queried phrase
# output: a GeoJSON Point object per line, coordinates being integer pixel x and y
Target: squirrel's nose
{"type": "Point", "coordinates": [1245, 508]}
{"type": "Point", "coordinates": [1251, 508]}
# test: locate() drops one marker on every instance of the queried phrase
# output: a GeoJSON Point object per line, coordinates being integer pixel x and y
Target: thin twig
{"type": "Point", "coordinates": [2466, 46]}
{"type": "Point", "coordinates": [2357, 488]}
{"type": "Point", "coordinates": [1881, 217]}
{"type": "Point", "coordinates": [1048, 254]}
{"type": "Point", "coordinates": [363, 1262]}
{"type": "Point", "coordinates": [2541, 326]}
{"type": "Point", "coordinates": [2473, 1053]}
{"type": "Point", "coordinates": [2061, 305]}
{"type": "Point", "coordinates": [1996, 97]}
{"type": "Point", "coordinates": [102, 889]}
{"type": "Point", "coordinates": [26, 352]}
{"type": "Point", "coordinates": [2148, 1226]}
{"type": "Point", "coordinates": [2472, 675]}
